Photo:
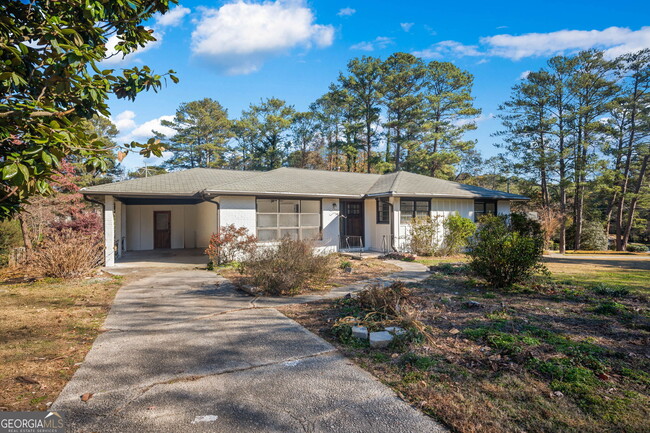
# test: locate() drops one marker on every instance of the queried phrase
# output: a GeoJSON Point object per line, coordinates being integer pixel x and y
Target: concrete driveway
{"type": "Point", "coordinates": [185, 352]}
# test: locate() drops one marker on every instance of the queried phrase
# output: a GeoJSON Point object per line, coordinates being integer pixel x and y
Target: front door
{"type": "Point", "coordinates": [352, 228]}
{"type": "Point", "coordinates": [162, 229]}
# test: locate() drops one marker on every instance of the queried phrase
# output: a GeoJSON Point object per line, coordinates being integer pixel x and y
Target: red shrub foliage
{"type": "Point", "coordinates": [229, 244]}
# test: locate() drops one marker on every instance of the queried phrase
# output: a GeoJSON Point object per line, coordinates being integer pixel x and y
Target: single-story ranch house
{"type": "Point", "coordinates": [339, 210]}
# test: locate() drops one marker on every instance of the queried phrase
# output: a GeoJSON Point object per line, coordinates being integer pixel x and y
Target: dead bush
{"type": "Point", "coordinates": [66, 254]}
{"type": "Point", "coordinates": [288, 268]}
{"type": "Point", "coordinates": [387, 301]}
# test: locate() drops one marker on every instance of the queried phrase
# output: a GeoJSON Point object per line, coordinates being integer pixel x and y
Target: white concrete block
{"type": "Point", "coordinates": [360, 332]}
{"type": "Point", "coordinates": [380, 339]}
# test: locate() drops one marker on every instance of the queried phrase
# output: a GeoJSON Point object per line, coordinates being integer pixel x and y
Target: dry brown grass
{"type": "Point", "coordinates": [46, 329]}
{"type": "Point", "coordinates": [473, 385]}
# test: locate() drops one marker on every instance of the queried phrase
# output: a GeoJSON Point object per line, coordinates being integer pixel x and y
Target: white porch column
{"type": "Point", "coordinates": [109, 230]}
{"type": "Point", "coordinates": [119, 208]}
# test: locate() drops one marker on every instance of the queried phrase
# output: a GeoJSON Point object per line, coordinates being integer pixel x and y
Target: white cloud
{"type": "Point", "coordinates": [448, 48]}
{"type": "Point", "coordinates": [113, 57]}
{"type": "Point", "coordinates": [613, 40]}
{"type": "Point", "coordinates": [524, 75]}
{"type": "Point", "coordinates": [239, 37]}
{"type": "Point", "coordinates": [124, 121]}
{"type": "Point", "coordinates": [379, 43]}
{"type": "Point", "coordinates": [346, 12]}
{"type": "Point", "coordinates": [173, 17]}
{"type": "Point", "coordinates": [406, 26]}
{"type": "Point", "coordinates": [130, 130]}
{"type": "Point", "coordinates": [479, 119]}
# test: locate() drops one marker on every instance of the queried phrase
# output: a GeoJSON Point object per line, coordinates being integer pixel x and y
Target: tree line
{"type": "Point", "coordinates": [575, 135]}
{"type": "Point", "coordinates": [578, 131]}
{"type": "Point", "coordinates": [378, 116]}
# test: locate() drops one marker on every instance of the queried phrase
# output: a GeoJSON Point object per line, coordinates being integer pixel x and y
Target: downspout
{"type": "Point", "coordinates": [209, 199]}
{"type": "Point", "coordinates": [392, 226]}
{"type": "Point", "coordinates": [103, 205]}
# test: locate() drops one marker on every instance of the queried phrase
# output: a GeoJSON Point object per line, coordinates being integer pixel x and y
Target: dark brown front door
{"type": "Point", "coordinates": [352, 227]}
{"type": "Point", "coordinates": [162, 229]}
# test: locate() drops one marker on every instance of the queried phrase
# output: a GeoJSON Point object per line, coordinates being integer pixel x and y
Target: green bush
{"type": "Point", "coordinates": [637, 248]}
{"type": "Point", "coordinates": [458, 230]}
{"type": "Point", "coordinates": [593, 236]}
{"type": "Point", "coordinates": [10, 237]}
{"type": "Point", "coordinates": [506, 250]}
{"type": "Point", "coordinates": [288, 268]}
{"type": "Point", "coordinates": [425, 239]}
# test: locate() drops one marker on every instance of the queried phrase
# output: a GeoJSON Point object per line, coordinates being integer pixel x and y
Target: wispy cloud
{"type": "Point", "coordinates": [524, 75]}
{"type": "Point", "coordinates": [378, 43]}
{"type": "Point", "coordinates": [130, 130]}
{"type": "Point", "coordinates": [613, 40]}
{"type": "Point", "coordinates": [115, 58]}
{"type": "Point", "coordinates": [346, 12]}
{"type": "Point", "coordinates": [239, 37]}
{"type": "Point", "coordinates": [406, 26]}
{"type": "Point", "coordinates": [173, 17]}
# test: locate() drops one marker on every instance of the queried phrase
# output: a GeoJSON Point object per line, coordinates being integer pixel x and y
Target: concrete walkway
{"type": "Point", "coordinates": [186, 352]}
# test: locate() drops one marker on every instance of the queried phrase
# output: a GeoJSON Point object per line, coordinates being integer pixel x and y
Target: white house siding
{"type": "Point", "coordinates": [503, 207]}
{"type": "Point", "coordinates": [377, 236]}
{"type": "Point", "coordinates": [240, 211]}
{"type": "Point", "coordinates": [440, 209]}
{"type": "Point", "coordinates": [139, 225]}
{"type": "Point", "coordinates": [206, 222]}
{"type": "Point", "coordinates": [109, 230]}
{"type": "Point", "coordinates": [330, 222]}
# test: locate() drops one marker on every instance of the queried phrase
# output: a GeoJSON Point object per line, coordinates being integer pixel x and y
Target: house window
{"type": "Point", "coordinates": [410, 209]}
{"type": "Point", "coordinates": [383, 212]}
{"type": "Point", "coordinates": [296, 219]}
{"type": "Point", "coordinates": [484, 207]}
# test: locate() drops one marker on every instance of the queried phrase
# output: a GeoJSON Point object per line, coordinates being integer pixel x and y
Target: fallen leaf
{"type": "Point", "coordinates": [454, 331]}
{"type": "Point", "coordinates": [87, 396]}
{"type": "Point", "coordinates": [603, 376]}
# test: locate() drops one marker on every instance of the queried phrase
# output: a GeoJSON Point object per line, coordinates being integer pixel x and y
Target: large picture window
{"type": "Point", "coordinates": [296, 219]}
{"type": "Point", "coordinates": [410, 209]}
{"type": "Point", "coordinates": [484, 207]}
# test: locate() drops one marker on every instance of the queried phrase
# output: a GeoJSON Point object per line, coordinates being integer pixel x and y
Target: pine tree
{"type": "Point", "coordinates": [263, 131]}
{"type": "Point", "coordinates": [202, 131]}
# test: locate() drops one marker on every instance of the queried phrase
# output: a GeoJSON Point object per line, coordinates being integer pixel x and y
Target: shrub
{"type": "Point", "coordinates": [67, 254]}
{"type": "Point", "coordinates": [386, 301]}
{"type": "Point", "coordinates": [637, 248]}
{"type": "Point", "coordinates": [10, 237]}
{"type": "Point", "coordinates": [287, 268]}
{"type": "Point", "coordinates": [506, 250]}
{"type": "Point", "coordinates": [424, 236]}
{"type": "Point", "coordinates": [458, 230]}
{"type": "Point", "coordinates": [405, 257]}
{"type": "Point", "coordinates": [593, 237]}
{"type": "Point", "coordinates": [229, 244]}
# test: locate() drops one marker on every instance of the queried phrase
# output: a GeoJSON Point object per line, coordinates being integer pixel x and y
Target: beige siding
{"type": "Point", "coordinates": [139, 225]}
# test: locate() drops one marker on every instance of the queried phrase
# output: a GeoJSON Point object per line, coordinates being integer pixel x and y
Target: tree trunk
{"type": "Point", "coordinates": [27, 240]}
{"type": "Point", "coordinates": [635, 199]}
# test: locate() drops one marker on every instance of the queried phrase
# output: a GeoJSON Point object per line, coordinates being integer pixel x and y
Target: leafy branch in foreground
{"type": "Point", "coordinates": [50, 82]}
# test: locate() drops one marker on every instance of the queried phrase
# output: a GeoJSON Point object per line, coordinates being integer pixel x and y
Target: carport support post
{"type": "Point", "coordinates": [109, 231]}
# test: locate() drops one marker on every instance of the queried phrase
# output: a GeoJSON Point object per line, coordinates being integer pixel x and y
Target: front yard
{"type": "Point", "coordinates": [46, 329]}
{"type": "Point", "coordinates": [569, 353]}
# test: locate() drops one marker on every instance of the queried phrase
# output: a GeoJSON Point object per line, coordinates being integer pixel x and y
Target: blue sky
{"type": "Point", "coordinates": [239, 52]}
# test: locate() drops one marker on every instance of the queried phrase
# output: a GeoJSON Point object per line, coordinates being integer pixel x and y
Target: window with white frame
{"type": "Point", "coordinates": [296, 219]}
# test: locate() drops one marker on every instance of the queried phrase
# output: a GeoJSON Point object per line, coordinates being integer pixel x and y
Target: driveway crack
{"type": "Point", "coordinates": [195, 377]}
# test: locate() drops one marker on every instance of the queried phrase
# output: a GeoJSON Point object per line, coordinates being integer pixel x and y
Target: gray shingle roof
{"type": "Point", "coordinates": [183, 183]}
{"type": "Point", "coordinates": [296, 182]}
